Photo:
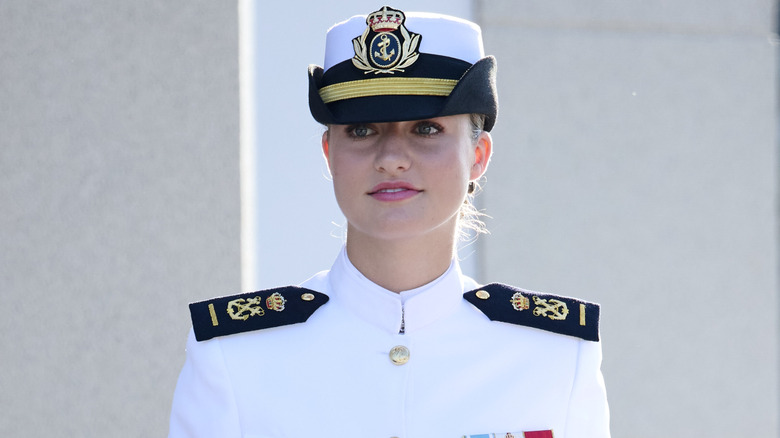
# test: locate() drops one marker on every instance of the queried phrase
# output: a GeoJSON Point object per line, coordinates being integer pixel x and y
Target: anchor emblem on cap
{"type": "Point", "coordinates": [392, 48]}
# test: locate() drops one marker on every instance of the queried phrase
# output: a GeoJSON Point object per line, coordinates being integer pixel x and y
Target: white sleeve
{"type": "Point", "coordinates": [203, 403]}
{"type": "Point", "coordinates": [588, 414]}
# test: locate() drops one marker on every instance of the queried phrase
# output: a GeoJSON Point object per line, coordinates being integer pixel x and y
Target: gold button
{"type": "Point", "coordinates": [483, 294]}
{"type": "Point", "coordinates": [307, 297]}
{"type": "Point", "coordinates": [399, 355]}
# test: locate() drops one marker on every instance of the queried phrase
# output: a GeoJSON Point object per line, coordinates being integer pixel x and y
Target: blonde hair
{"type": "Point", "coordinates": [470, 223]}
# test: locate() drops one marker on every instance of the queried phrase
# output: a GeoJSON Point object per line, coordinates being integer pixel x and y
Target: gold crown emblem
{"type": "Point", "coordinates": [519, 302]}
{"type": "Point", "coordinates": [275, 302]}
{"type": "Point", "coordinates": [385, 20]}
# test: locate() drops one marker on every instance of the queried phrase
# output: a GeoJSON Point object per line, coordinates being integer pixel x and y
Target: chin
{"type": "Point", "coordinates": [399, 230]}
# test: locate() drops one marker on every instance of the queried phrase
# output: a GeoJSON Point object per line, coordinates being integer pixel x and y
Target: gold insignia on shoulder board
{"type": "Point", "coordinates": [391, 48]}
{"type": "Point", "coordinates": [275, 302]}
{"type": "Point", "coordinates": [213, 315]}
{"type": "Point", "coordinates": [520, 302]}
{"type": "Point", "coordinates": [244, 308]}
{"type": "Point", "coordinates": [551, 308]}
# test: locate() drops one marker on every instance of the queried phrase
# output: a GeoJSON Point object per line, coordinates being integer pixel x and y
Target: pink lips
{"type": "Point", "coordinates": [393, 191]}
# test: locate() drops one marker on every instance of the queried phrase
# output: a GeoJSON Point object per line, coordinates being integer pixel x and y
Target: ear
{"type": "Point", "coordinates": [483, 150]}
{"type": "Point", "coordinates": [326, 148]}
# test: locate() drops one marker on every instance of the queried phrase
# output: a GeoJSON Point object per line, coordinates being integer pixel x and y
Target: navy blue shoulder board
{"type": "Point", "coordinates": [563, 315]}
{"type": "Point", "coordinates": [254, 311]}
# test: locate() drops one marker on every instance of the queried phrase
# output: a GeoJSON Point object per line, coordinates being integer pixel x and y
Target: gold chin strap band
{"type": "Point", "coordinates": [387, 86]}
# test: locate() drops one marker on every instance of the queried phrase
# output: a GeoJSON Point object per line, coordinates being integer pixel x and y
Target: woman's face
{"type": "Point", "coordinates": [404, 179]}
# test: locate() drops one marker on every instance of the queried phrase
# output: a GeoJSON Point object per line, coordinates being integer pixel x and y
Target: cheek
{"type": "Point", "coordinates": [344, 170]}
{"type": "Point", "coordinates": [458, 165]}
{"type": "Point", "coordinates": [452, 176]}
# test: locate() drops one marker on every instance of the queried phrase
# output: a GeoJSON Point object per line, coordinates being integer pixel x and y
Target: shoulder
{"type": "Point", "coordinates": [558, 314]}
{"type": "Point", "coordinates": [254, 311]}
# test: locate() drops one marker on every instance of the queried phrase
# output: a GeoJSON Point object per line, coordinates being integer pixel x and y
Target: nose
{"type": "Point", "coordinates": [392, 154]}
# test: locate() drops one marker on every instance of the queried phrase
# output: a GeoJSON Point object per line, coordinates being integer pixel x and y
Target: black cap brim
{"type": "Point", "coordinates": [474, 93]}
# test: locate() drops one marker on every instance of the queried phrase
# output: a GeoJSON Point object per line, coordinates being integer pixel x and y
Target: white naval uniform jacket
{"type": "Point", "coordinates": [332, 377]}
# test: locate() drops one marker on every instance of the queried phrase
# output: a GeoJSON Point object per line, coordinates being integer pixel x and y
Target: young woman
{"type": "Point", "coordinates": [393, 340]}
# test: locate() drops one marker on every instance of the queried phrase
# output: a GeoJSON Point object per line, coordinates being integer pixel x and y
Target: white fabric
{"type": "Point", "coordinates": [441, 35]}
{"type": "Point", "coordinates": [331, 376]}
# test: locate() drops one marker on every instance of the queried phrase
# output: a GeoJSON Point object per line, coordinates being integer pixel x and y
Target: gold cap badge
{"type": "Point", "coordinates": [391, 48]}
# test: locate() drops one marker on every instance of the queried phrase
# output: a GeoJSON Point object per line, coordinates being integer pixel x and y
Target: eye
{"type": "Point", "coordinates": [427, 128]}
{"type": "Point", "coordinates": [359, 131]}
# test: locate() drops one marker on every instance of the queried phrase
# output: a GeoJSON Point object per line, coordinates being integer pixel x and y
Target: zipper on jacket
{"type": "Point", "coordinates": [403, 323]}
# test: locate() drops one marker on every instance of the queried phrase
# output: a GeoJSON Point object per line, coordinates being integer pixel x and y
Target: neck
{"type": "Point", "coordinates": [399, 265]}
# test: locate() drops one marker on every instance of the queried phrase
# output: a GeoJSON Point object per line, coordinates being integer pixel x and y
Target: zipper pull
{"type": "Point", "coordinates": [403, 323]}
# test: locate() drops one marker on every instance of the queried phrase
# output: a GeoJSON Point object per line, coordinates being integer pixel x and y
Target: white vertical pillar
{"type": "Point", "coordinates": [248, 83]}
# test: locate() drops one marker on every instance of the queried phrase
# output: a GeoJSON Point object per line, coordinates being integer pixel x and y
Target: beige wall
{"type": "Point", "coordinates": [118, 205]}
{"type": "Point", "coordinates": [636, 165]}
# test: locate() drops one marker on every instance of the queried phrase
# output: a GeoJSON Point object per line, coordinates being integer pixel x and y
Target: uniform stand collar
{"type": "Point", "coordinates": [386, 309]}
